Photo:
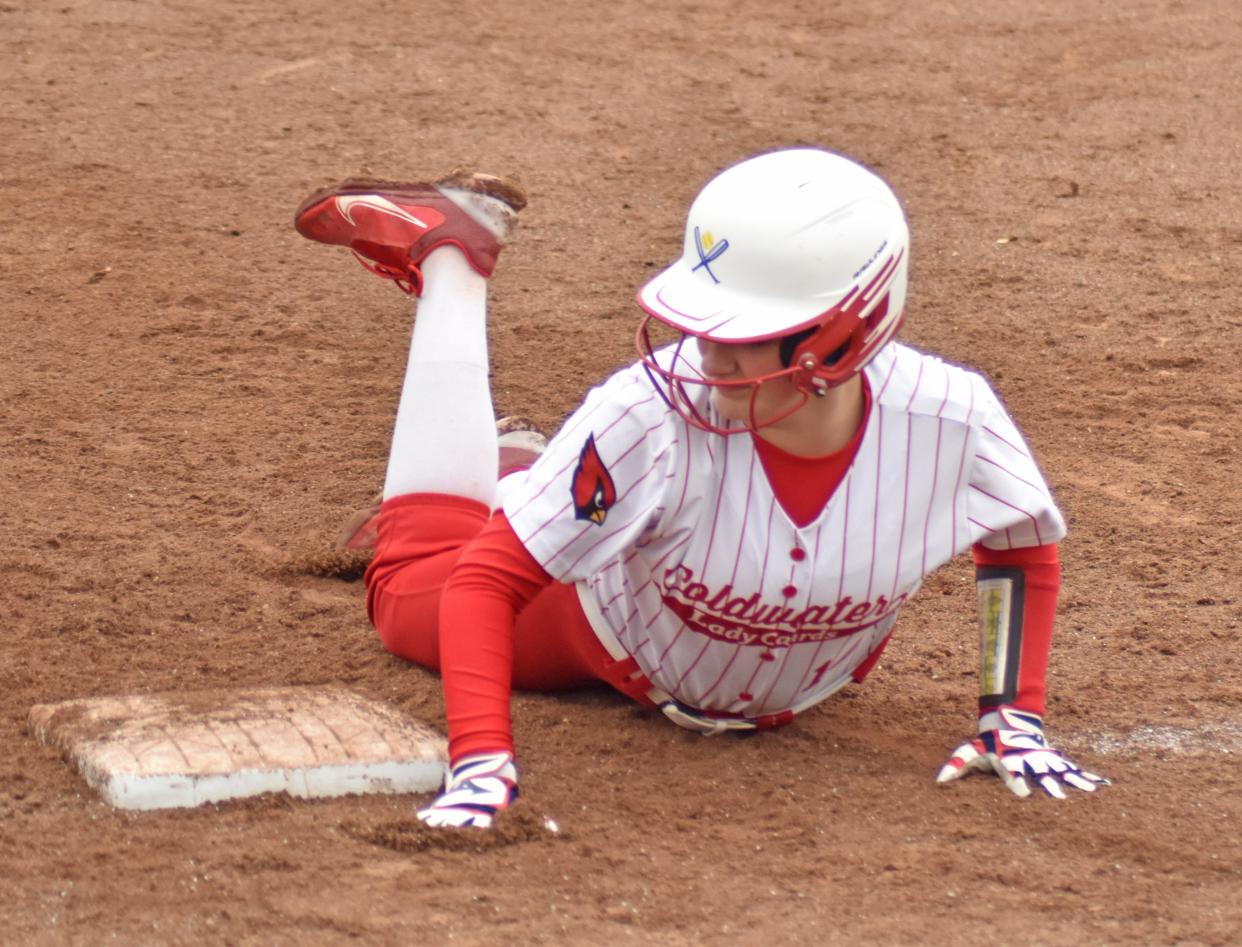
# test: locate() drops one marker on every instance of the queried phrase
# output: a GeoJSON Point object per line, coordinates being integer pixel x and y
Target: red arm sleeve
{"type": "Point", "coordinates": [1039, 571]}
{"type": "Point", "coordinates": [495, 579]}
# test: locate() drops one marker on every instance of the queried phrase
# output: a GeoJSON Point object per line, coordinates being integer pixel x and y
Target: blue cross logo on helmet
{"type": "Point", "coordinates": [709, 252]}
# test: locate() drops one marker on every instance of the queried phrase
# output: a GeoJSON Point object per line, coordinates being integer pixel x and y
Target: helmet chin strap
{"type": "Point", "coordinates": [819, 387]}
{"type": "Point", "coordinates": [754, 424]}
{"type": "Point", "coordinates": [673, 383]}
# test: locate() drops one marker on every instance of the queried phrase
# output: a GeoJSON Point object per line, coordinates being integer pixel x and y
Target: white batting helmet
{"type": "Point", "coordinates": [795, 242]}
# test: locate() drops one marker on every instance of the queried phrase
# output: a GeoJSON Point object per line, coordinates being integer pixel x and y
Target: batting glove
{"type": "Point", "coordinates": [478, 787]}
{"type": "Point", "coordinates": [1017, 752]}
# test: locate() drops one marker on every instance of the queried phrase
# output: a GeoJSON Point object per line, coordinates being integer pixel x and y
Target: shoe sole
{"type": "Point", "coordinates": [503, 189]}
{"type": "Point", "coordinates": [318, 218]}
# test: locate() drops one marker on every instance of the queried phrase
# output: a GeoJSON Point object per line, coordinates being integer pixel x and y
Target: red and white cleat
{"type": "Point", "coordinates": [391, 226]}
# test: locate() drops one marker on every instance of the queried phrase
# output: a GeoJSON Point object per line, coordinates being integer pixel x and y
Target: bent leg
{"type": "Point", "coordinates": [421, 537]}
{"type": "Point", "coordinates": [441, 477]}
{"type": "Point", "coordinates": [440, 487]}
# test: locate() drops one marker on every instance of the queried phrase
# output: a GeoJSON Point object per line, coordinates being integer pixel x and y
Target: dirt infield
{"type": "Point", "coordinates": [195, 398]}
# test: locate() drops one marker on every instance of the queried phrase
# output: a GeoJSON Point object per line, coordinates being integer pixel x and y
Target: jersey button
{"type": "Point", "coordinates": [797, 554]}
{"type": "Point", "coordinates": [789, 591]}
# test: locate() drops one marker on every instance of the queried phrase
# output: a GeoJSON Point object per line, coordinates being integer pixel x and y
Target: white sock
{"type": "Point", "coordinates": [444, 440]}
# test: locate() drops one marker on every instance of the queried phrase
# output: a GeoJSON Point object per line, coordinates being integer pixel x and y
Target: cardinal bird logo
{"type": "Point", "coordinates": [593, 491]}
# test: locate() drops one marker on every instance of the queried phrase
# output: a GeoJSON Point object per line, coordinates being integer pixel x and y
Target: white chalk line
{"type": "Point", "coordinates": [1206, 738]}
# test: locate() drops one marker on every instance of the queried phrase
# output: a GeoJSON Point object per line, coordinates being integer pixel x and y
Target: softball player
{"type": "Point", "coordinates": [725, 530]}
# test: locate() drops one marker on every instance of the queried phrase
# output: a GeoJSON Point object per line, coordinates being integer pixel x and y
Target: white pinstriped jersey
{"type": "Point", "coordinates": [721, 599]}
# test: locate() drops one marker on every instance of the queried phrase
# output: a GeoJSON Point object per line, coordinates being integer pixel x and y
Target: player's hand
{"type": "Point", "coordinates": [478, 787]}
{"type": "Point", "coordinates": [1017, 752]}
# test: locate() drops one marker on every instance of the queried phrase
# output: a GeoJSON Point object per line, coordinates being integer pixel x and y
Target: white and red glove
{"type": "Point", "coordinates": [478, 787]}
{"type": "Point", "coordinates": [1011, 745]}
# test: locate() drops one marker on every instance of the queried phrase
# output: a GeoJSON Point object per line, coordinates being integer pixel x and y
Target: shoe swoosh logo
{"type": "Point", "coordinates": [346, 204]}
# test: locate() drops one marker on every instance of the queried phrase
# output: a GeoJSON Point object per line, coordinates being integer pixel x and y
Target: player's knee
{"type": "Point", "coordinates": [407, 636]}
{"type": "Point", "coordinates": [390, 638]}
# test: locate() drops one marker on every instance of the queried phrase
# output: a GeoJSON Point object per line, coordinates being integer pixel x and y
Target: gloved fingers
{"type": "Point", "coordinates": [493, 792]}
{"type": "Point", "coordinates": [967, 758]}
{"type": "Point", "coordinates": [1053, 772]}
{"type": "Point", "coordinates": [478, 787]}
{"type": "Point", "coordinates": [1052, 786]}
{"type": "Point", "coordinates": [1080, 775]}
{"type": "Point", "coordinates": [456, 817]}
{"type": "Point", "coordinates": [1078, 782]}
{"type": "Point", "coordinates": [1093, 777]}
{"type": "Point", "coordinates": [1013, 781]}
{"type": "Point", "coordinates": [1085, 781]}
{"type": "Point", "coordinates": [1053, 763]}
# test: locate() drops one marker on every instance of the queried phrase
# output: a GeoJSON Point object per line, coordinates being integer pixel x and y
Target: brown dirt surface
{"type": "Point", "coordinates": [195, 398]}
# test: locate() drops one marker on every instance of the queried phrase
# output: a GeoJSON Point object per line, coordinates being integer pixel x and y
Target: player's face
{"type": "Point", "coordinates": [737, 361]}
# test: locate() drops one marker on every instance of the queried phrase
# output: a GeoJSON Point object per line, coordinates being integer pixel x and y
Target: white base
{"type": "Point", "coordinates": [183, 791]}
{"type": "Point", "coordinates": [182, 750]}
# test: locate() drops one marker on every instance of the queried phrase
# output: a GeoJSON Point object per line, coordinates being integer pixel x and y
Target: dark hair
{"type": "Point", "coordinates": [790, 343]}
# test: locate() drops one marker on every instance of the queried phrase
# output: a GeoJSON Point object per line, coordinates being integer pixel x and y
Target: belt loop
{"type": "Point", "coordinates": [628, 678]}
{"type": "Point", "coordinates": [772, 721]}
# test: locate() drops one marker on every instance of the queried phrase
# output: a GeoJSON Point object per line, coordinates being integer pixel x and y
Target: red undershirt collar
{"type": "Point", "coordinates": [803, 485]}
